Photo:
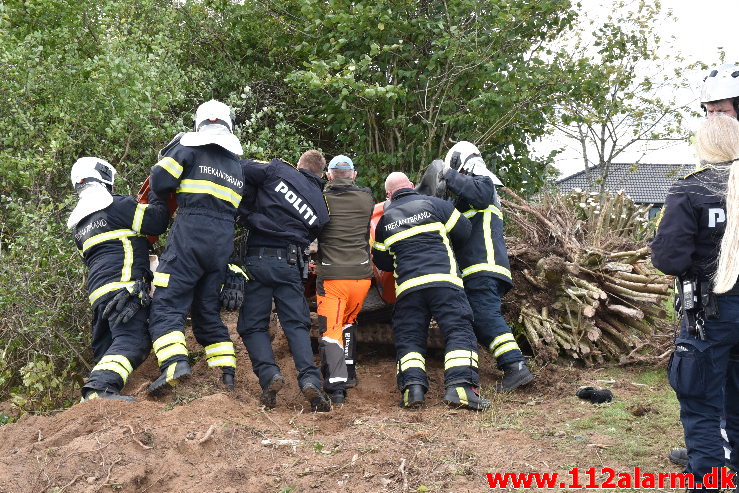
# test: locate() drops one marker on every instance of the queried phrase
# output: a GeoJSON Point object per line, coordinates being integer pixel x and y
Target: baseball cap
{"type": "Point", "coordinates": [341, 162]}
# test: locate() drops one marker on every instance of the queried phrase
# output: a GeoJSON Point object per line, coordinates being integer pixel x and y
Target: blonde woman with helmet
{"type": "Point", "coordinates": [697, 237]}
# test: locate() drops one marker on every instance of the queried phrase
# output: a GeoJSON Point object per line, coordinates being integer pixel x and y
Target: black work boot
{"type": "Point", "coordinates": [465, 396]}
{"type": "Point", "coordinates": [177, 372]}
{"type": "Point", "coordinates": [269, 393]}
{"type": "Point", "coordinates": [228, 378]}
{"type": "Point", "coordinates": [679, 456]}
{"type": "Point", "coordinates": [102, 394]}
{"type": "Point", "coordinates": [319, 403]}
{"type": "Point", "coordinates": [337, 396]}
{"type": "Point", "coordinates": [351, 371]}
{"type": "Point", "coordinates": [414, 396]}
{"type": "Point", "coordinates": [514, 375]}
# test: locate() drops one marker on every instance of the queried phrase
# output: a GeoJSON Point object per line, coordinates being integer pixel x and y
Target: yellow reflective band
{"type": "Point", "coordinates": [486, 267]}
{"type": "Point", "coordinates": [415, 230]}
{"type": "Point", "coordinates": [417, 281]}
{"type": "Point", "coordinates": [491, 208]}
{"type": "Point", "coordinates": [509, 346]}
{"type": "Point", "coordinates": [107, 288]}
{"type": "Point", "coordinates": [460, 353]}
{"type": "Point", "coordinates": [501, 339]}
{"type": "Point", "coordinates": [174, 337]}
{"type": "Point", "coordinates": [219, 349]}
{"type": "Point", "coordinates": [170, 374]}
{"type": "Point", "coordinates": [210, 188]}
{"type": "Point", "coordinates": [161, 279]}
{"type": "Point", "coordinates": [172, 350]}
{"type": "Point", "coordinates": [222, 361]}
{"type": "Point", "coordinates": [237, 270]}
{"type": "Point", "coordinates": [171, 166]}
{"type": "Point", "coordinates": [380, 246]}
{"type": "Point", "coordinates": [488, 234]}
{"type": "Point", "coordinates": [109, 235]}
{"type": "Point", "coordinates": [412, 360]}
{"type": "Point", "coordinates": [452, 220]}
{"type": "Point", "coordinates": [138, 217]}
{"type": "Point", "coordinates": [462, 394]}
{"type": "Point", "coordinates": [127, 259]}
{"type": "Point", "coordinates": [116, 363]}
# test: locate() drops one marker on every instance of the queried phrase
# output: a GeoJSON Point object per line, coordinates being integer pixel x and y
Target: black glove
{"type": "Point", "coordinates": [232, 292]}
{"type": "Point", "coordinates": [127, 303]}
{"type": "Point", "coordinates": [596, 396]}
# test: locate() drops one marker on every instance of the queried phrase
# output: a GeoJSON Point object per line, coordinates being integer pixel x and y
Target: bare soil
{"type": "Point", "coordinates": [202, 438]}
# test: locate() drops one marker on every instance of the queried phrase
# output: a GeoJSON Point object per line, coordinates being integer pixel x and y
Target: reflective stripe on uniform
{"type": "Point", "coordinates": [379, 246]}
{"type": "Point", "coordinates": [452, 220]}
{"type": "Point", "coordinates": [491, 208]}
{"type": "Point", "coordinates": [127, 259]}
{"type": "Point", "coordinates": [170, 166]}
{"type": "Point", "coordinates": [337, 379]}
{"type": "Point", "coordinates": [417, 281]}
{"type": "Point", "coordinates": [107, 288]}
{"type": "Point", "coordinates": [109, 235]}
{"type": "Point", "coordinates": [502, 344]}
{"type": "Point", "coordinates": [138, 217]}
{"type": "Point", "coordinates": [161, 279]}
{"type": "Point", "coordinates": [221, 354]}
{"type": "Point", "coordinates": [170, 375]}
{"type": "Point", "coordinates": [488, 267]}
{"type": "Point", "coordinates": [412, 360]}
{"type": "Point", "coordinates": [210, 188]}
{"type": "Point", "coordinates": [460, 357]}
{"type": "Point", "coordinates": [415, 230]}
{"type": "Point", "coordinates": [168, 345]}
{"type": "Point", "coordinates": [116, 363]}
{"type": "Point", "coordinates": [462, 394]}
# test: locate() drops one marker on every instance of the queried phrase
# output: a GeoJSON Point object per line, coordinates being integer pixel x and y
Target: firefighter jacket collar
{"type": "Point", "coordinates": [213, 134]}
{"type": "Point", "coordinates": [402, 193]}
{"type": "Point", "coordinates": [94, 197]}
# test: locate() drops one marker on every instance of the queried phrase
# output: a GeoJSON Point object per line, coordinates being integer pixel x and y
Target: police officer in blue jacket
{"type": "Point", "coordinates": [110, 233]}
{"type": "Point", "coordinates": [416, 238]}
{"type": "Point", "coordinates": [284, 214]}
{"type": "Point", "coordinates": [484, 259]}
{"type": "Point", "coordinates": [697, 240]}
{"type": "Point", "coordinates": [204, 171]}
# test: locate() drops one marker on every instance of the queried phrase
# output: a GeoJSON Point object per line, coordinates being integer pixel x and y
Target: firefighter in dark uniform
{"type": "Point", "coordinates": [110, 232]}
{"type": "Point", "coordinates": [415, 238]}
{"type": "Point", "coordinates": [697, 240]}
{"type": "Point", "coordinates": [285, 214]}
{"type": "Point", "coordinates": [204, 171]}
{"type": "Point", "coordinates": [484, 259]}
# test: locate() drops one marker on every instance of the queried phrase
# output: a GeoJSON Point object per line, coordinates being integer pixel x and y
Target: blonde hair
{"type": "Point", "coordinates": [717, 142]}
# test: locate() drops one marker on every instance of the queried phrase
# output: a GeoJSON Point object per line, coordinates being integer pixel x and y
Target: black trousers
{"type": "Point", "coordinates": [411, 318]}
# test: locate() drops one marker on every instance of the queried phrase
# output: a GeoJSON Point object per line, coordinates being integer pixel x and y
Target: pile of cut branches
{"type": "Point", "coordinates": [583, 285]}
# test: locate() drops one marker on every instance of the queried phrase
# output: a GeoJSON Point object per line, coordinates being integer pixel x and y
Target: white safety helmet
{"type": "Point", "coordinates": [92, 179]}
{"type": "Point", "coordinates": [466, 158]}
{"type": "Point", "coordinates": [214, 112]}
{"type": "Point", "coordinates": [721, 83]}
{"type": "Point", "coordinates": [92, 169]}
{"type": "Point", "coordinates": [214, 124]}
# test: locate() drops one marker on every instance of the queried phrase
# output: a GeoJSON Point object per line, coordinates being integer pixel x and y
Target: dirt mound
{"type": "Point", "coordinates": [201, 438]}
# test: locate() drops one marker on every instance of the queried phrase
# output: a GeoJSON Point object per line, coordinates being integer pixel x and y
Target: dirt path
{"type": "Point", "coordinates": [202, 439]}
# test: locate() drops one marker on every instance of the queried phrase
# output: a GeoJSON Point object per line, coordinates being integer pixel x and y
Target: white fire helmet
{"type": "Point", "coordinates": [92, 179]}
{"type": "Point", "coordinates": [721, 83]}
{"type": "Point", "coordinates": [214, 123]}
{"type": "Point", "coordinates": [465, 157]}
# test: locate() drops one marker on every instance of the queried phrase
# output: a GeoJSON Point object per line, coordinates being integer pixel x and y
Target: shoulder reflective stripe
{"type": "Point", "coordinates": [107, 288]}
{"type": "Point", "coordinates": [115, 363]}
{"type": "Point", "coordinates": [138, 217]}
{"type": "Point", "coordinates": [161, 279]}
{"type": "Point", "coordinates": [415, 230]}
{"type": "Point", "coordinates": [509, 346]}
{"type": "Point", "coordinates": [380, 246]}
{"type": "Point", "coordinates": [214, 189]}
{"type": "Point", "coordinates": [108, 235]}
{"type": "Point", "coordinates": [417, 281]}
{"type": "Point", "coordinates": [127, 259]}
{"type": "Point", "coordinates": [171, 166]}
{"type": "Point", "coordinates": [412, 360]}
{"type": "Point", "coordinates": [487, 267]}
{"type": "Point", "coordinates": [175, 337]}
{"type": "Point", "coordinates": [452, 220]}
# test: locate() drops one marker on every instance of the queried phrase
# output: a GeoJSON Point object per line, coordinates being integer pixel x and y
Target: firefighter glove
{"type": "Point", "coordinates": [232, 292]}
{"type": "Point", "coordinates": [127, 303]}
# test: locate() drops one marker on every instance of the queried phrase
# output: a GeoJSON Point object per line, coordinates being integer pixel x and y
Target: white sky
{"type": "Point", "coordinates": [700, 28]}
